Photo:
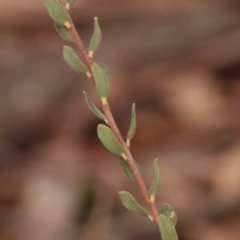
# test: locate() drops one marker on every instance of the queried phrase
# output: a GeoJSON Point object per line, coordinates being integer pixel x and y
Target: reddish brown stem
{"type": "Point", "coordinates": [131, 162]}
{"type": "Point", "coordinates": [80, 45]}
{"type": "Point", "coordinates": [115, 130]}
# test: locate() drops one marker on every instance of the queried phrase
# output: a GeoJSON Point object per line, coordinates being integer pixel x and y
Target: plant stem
{"type": "Point", "coordinates": [115, 130]}
{"type": "Point", "coordinates": [131, 162]}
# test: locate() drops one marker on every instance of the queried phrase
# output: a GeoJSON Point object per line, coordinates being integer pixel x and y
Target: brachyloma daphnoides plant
{"type": "Point", "coordinates": [109, 133]}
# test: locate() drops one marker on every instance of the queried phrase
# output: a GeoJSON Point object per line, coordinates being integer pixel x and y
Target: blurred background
{"type": "Point", "coordinates": [179, 61]}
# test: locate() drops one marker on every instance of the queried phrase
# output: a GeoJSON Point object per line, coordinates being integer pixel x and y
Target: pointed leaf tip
{"type": "Point", "coordinates": [157, 180]}
{"type": "Point", "coordinates": [56, 11]}
{"type": "Point", "coordinates": [167, 229]}
{"type": "Point", "coordinates": [101, 79]}
{"type": "Point", "coordinates": [93, 108]}
{"type": "Point", "coordinates": [73, 61]}
{"type": "Point", "coordinates": [133, 125]}
{"type": "Point", "coordinates": [96, 38]}
{"type": "Point", "coordinates": [169, 211]}
{"type": "Point", "coordinates": [131, 204]}
{"type": "Point", "coordinates": [63, 32]}
{"type": "Point", "coordinates": [109, 140]}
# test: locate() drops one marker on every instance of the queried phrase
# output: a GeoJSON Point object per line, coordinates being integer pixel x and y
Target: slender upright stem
{"type": "Point", "coordinates": [115, 130]}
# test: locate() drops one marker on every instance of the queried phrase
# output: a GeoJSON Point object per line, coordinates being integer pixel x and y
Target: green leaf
{"type": "Point", "coordinates": [71, 2]}
{"type": "Point", "coordinates": [56, 11]}
{"type": "Point", "coordinates": [169, 211]}
{"type": "Point", "coordinates": [96, 38]}
{"type": "Point", "coordinates": [63, 32]}
{"type": "Point", "coordinates": [128, 170]}
{"type": "Point", "coordinates": [133, 125]}
{"type": "Point", "coordinates": [101, 79]}
{"type": "Point", "coordinates": [73, 60]}
{"type": "Point", "coordinates": [109, 140]}
{"type": "Point", "coordinates": [131, 204]}
{"type": "Point", "coordinates": [168, 231]}
{"type": "Point", "coordinates": [156, 182]}
{"type": "Point", "coordinates": [106, 70]}
{"type": "Point", "coordinates": [93, 108]}
{"type": "Point", "coordinates": [139, 168]}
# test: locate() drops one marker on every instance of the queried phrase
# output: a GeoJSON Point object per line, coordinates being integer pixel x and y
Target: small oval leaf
{"type": "Point", "coordinates": [101, 79]}
{"type": "Point", "coordinates": [73, 60]}
{"type": "Point", "coordinates": [56, 11]}
{"type": "Point", "coordinates": [96, 38]}
{"type": "Point", "coordinates": [106, 70]}
{"type": "Point", "coordinates": [128, 170]}
{"type": "Point", "coordinates": [63, 32]}
{"type": "Point", "coordinates": [93, 108]}
{"type": "Point", "coordinates": [133, 125]}
{"type": "Point", "coordinates": [109, 140]}
{"type": "Point", "coordinates": [71, 2]}
{"type": "Point", "coordinates": [169, 211]}
{"type": "Point", "coordinates": [157, 180]}
{"type": "Point", "coordinates": [131, 204]}
{"type": "Point", "coordinates": [168, 231]}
